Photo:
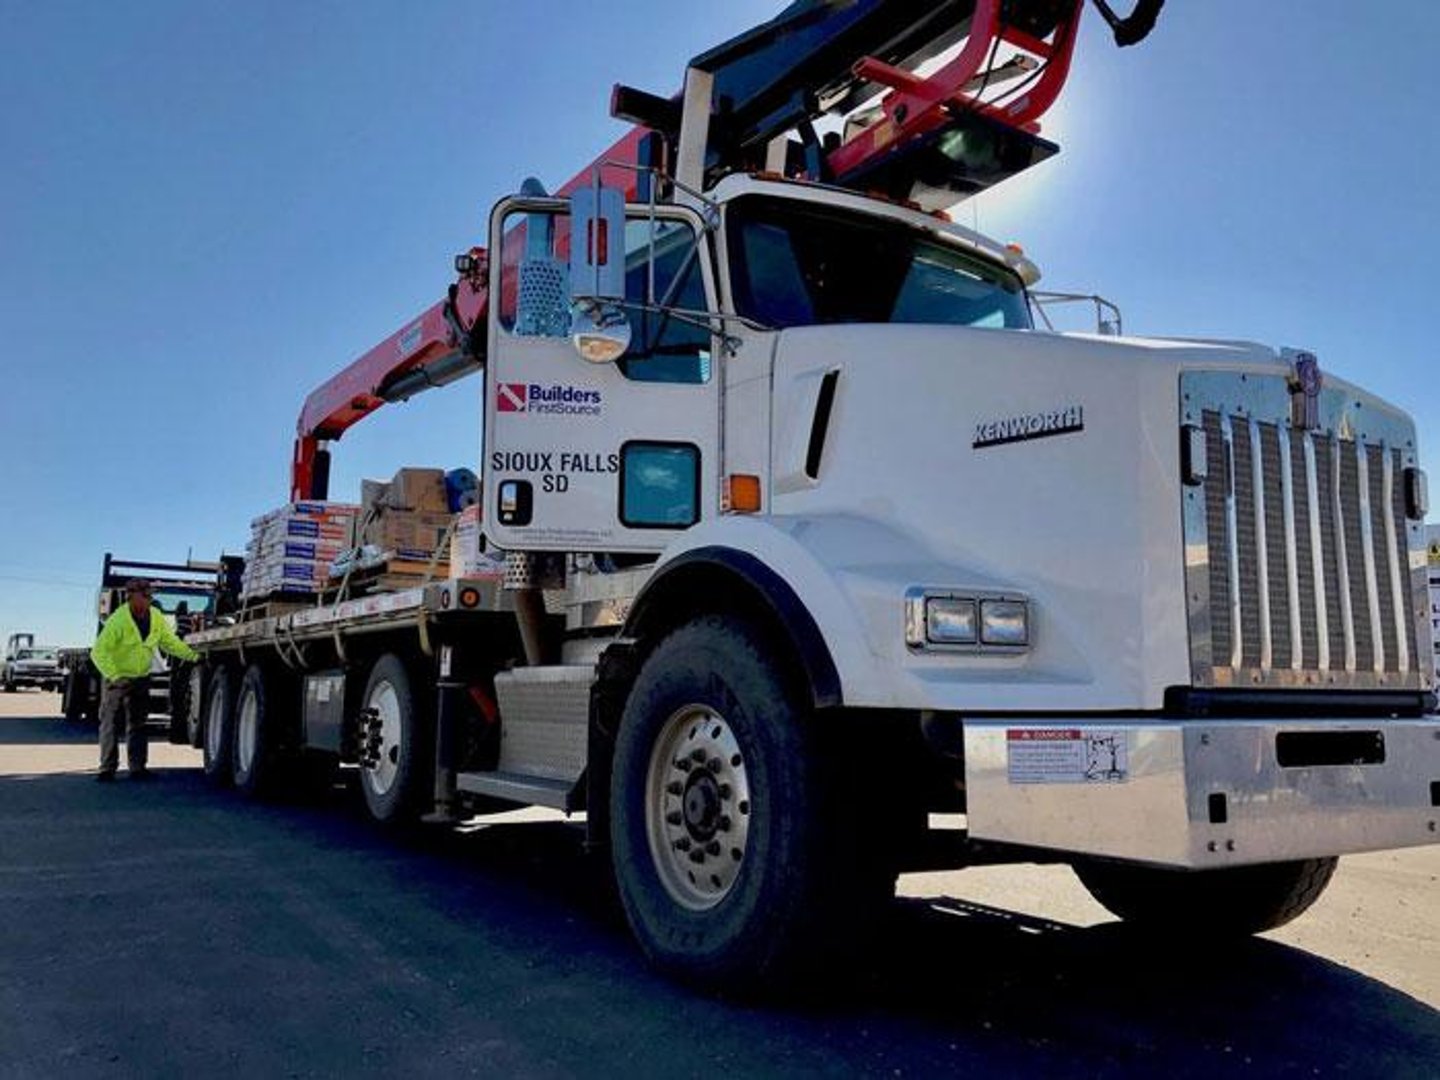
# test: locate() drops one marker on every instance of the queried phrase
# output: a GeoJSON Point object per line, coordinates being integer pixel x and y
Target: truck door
{"type": "Point", "coordinates": [581, 456]}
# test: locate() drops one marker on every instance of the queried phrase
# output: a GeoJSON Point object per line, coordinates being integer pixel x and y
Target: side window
{"type": "Point", "coordinates": [659, 485]}
{"type": "Point", "coordinates": [664, 348]}
{"type": "Point", "coordinates": [534, 296]}
{"type": "Point", "coordinates": [535, 275]}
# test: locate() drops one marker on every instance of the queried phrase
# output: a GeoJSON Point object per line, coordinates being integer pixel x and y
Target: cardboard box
{"type": "Point", "coordinates": [421, 490]}
{"type": "Point", "coordinates": [466, 558]}
{"type": "Point", "coordinates": [397, 530]}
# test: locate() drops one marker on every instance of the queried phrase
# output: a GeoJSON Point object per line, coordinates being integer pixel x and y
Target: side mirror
{"type": "Point", "coordinates": [597, 244]}
{"type": "Point", "coordinates": [600, 332]}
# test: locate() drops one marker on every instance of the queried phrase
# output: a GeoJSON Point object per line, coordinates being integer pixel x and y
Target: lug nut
{"type": "Point", "coordinates": [698, 754]}
{"type": "Point", "coordinates": [683, 764]}
{"type": "Point", "coordinates": [724, 791]}
{"type": "Point", "coordinates": [674, 818]}
{"type": "Point", "coordinates": [697, 856]}
{"type": "Point", "coordinates": [713, 848]}
{"type": "Point", "coordinates": [724, 824]}
{"type": "Point", "coordinates": [683, 844]}
{"type": "Point", "coordinates": [674, 787]}
{"type": "Point", "coordinates": [715, 765]}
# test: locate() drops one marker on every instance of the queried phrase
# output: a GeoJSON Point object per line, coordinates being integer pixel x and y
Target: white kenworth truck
{"type": "Point", "coordinates": [811, 535]}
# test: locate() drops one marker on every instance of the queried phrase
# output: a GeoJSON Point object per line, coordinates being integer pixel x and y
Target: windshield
{"type": "Point", "coordinates": [797, 264]}
{"type": "Point", "coordinates": [36, 654]}
{"type": "Point", "coordinates": [169, 601]}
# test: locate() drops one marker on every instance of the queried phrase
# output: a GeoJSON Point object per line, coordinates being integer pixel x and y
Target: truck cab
{"type": "Point", "coordinates": [1153, 593]}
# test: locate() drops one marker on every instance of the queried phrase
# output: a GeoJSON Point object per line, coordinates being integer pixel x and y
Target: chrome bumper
{"type": "Point", "coordinates": [1204, 793]}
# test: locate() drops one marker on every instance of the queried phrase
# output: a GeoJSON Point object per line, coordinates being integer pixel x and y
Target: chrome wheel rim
{"type": "Point", "coordinates": [697, 807]}
{"type": "Point", "coordinates": [383, 766]}
{"type": "Point", "coordinates": [247, 733]}
{"type": "Point", "coordinates": [214, 737]}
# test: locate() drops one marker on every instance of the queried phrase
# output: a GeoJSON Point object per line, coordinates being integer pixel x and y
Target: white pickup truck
{"type": "Point", "coordinates": [28, 664]}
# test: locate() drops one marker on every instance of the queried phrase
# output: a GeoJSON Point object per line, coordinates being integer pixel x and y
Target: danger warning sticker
{"type": "Point", "coordinates": [1067, 756]}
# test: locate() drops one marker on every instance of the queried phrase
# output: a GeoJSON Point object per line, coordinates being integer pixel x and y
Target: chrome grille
{"type": "Point", "coordinates": [1301, 563]}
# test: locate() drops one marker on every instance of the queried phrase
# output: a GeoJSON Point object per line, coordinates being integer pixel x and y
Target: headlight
{"type": "Point", "coordinates": [1004, 622]}
{"type": "Point", "coordinates": [949, 621]}
{"type": "Point", "coordinates": [945, 619]}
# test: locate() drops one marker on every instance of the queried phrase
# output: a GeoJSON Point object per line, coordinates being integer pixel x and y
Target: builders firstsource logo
{"type": "Point", "coordinates": [553, 400]}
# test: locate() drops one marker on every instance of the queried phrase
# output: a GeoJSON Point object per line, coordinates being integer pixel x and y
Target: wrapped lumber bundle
{"type": "Point", "coordinates": [291, 548]}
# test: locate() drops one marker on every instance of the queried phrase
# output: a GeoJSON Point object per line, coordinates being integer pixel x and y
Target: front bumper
{"type": "Point", "coordinates": [1204, 793]}
{"type": "Point", "coordinates": [37, 678]}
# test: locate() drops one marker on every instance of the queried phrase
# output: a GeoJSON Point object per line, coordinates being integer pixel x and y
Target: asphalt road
{"type": "Point", "coordinates": [171, 930]}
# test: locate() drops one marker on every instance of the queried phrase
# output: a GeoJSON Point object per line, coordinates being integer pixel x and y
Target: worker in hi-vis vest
{"type": "Point", "coordinates": [123, 654]}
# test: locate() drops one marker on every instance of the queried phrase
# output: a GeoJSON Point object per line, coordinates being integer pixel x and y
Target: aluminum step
{"type": "Point", "coordinates": [516, 787]}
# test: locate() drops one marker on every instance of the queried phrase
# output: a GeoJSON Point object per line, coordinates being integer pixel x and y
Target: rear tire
{"type": "Point", "coordinates": [179, 705]}
{"type": "Point", "coordinates": [195, 707]}
{"type": "Point", "coordinates": [395, 756]}
{"type": "Point", "coordinates": [219, 735]}
{"type": "Point", "coordinates": [1232, 902]}
{"type": "Point", "coordinates": [72, 701]}
{"type": "Point", "coordinates": [256, 753]}
{"type": "Point", "coordinates": [732, 847]}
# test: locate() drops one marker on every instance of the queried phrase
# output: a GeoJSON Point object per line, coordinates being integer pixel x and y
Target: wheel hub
{"type": "Point", "coordinates": [702, 805]}
{"type": "Point", "coordinates": [697, 807]}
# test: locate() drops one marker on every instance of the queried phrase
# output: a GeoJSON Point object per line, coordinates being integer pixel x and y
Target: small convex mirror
{"type": "Point", "coordinates": [600, 332]}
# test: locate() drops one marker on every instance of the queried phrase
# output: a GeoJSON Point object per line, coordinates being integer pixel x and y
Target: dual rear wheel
{"type": "Point", "coordinates": [249, 741]}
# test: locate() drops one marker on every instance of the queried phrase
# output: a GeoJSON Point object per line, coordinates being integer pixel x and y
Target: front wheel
{"type": "Point", "coordinates": [731, 848]}
{"type": "Point", "coordinates": [1231, 902]}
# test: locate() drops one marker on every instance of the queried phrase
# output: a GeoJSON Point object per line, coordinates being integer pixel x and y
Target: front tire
{"type": "Point", "coordinates": [219, 740]}
{"type": "Point", "coordinates": [731, 848]}
{"type": "Point", "coordinates": [394, 773]}
{"type": "Point", "coordinates": [1232, 902]}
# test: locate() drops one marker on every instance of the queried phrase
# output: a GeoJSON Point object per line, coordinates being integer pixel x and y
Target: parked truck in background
{"type": "Point", "coordinates": [191, 594]}
{"type": "Point", "coordinates": [28, 664]}
{"type": "Point", "coordinates": [810, 535]}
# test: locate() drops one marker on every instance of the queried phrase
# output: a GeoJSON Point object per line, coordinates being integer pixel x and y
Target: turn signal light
{"type": "Point", "coordinates": [742, 494]}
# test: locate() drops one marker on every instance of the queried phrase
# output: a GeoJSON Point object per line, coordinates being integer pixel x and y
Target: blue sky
{"type": "Point", "coordinates": [207, 208]}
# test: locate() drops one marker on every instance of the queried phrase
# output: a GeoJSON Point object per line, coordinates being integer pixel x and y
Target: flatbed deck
{"type": "Point", "coordinates": [422, 604]}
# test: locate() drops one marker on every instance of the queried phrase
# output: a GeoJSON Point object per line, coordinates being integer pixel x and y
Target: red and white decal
{"type": "Point", "coordinates": [511, 397]}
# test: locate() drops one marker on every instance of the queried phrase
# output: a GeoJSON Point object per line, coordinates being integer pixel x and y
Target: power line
{"type": "Point", "coordinates": [56, 582]}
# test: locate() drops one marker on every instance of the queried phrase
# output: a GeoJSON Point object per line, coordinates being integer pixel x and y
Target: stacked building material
{"type": "Point", "coordinates": [291, 548]}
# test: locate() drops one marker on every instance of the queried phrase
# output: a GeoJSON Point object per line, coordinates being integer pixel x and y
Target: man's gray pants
{"type": "Point", "coordinates": [134, 701]}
